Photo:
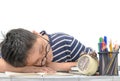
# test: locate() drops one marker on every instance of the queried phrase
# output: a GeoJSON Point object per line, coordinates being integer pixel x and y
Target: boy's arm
{"type": "Point", "coordinates": [4, 66]}
{"type": "Point", "coordinates": [64, 66]}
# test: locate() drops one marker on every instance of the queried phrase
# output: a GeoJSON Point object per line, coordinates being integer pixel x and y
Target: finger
{"type": "Point", "coordinates": [49, 70]}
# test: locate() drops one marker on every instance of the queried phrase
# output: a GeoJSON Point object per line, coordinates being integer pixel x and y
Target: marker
{"type": "Point", "coordinates": [100, 47]}
{"type": "Point", "coordinates": [103, 46]}
{"type": "Point", "coordinates": [100, 39]}
{"type": "Point", "coordinates": [105, 39]}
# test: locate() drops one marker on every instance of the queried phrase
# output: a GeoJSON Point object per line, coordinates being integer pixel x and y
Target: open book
{"type": "Point", "coordinates": [37, 74]}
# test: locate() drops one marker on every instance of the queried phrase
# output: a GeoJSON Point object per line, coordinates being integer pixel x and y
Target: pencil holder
{"type": "Point", "coordinates": [108, 63]}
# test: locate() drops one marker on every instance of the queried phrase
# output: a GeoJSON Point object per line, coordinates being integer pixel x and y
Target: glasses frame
{"type": "Point", "coordinates": [47, 49]}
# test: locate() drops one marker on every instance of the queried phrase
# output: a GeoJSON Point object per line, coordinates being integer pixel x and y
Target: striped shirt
{"type": "Point", "coordinates": [66, 48]}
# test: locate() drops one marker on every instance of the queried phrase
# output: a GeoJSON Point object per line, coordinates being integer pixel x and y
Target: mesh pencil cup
{"type": "Point", "coordinates": [108, 63]}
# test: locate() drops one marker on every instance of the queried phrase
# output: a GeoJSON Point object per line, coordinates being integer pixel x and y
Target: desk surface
{"type": "Point", "coordinates": [4, 77]}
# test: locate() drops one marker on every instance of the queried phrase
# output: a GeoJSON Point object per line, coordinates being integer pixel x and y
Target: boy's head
{"type": "Point", "coordinates": [16, 45]}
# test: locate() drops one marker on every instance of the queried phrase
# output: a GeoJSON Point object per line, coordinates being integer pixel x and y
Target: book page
{"type": "Point", "coordinates": [37, 74]}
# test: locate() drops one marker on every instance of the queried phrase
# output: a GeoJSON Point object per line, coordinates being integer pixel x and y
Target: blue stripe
{"type": "Point", "coordinates": [59, 57]}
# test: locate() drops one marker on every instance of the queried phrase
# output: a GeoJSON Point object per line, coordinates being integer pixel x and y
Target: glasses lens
{"type": "Point", "coordinates": [48, 48]}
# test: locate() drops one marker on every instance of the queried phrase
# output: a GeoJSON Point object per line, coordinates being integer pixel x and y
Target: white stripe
{"type": "Point", "coordinates": [85, 49]}
{"type": "Point", "coordinates": [59, 53]}
{"type": "Point", "coordinates": [74, 48]}
{"type": "Point", "coordinates": [89, 51]}
{"type": "Point", "coordinates": [53, 35]}
{"type": "Point", "coordinates": [68, 60]}
{"type": "Point", "coordinates": [62, 53]}
{"type": "Point", "coordinates": [60, 47]}
{"type": "Point", "coordinates": [72, 42]}
{"type": "Point", "coordinates": [59, 37]}
{"type": "Point", "coordinates": [77, 52]}
{"type": "Point", "coordinates": [61, 58]}
{"type": "Point", "coordinates": [60, 42]}
{"type": "Point", "coordinates": [68, 51]}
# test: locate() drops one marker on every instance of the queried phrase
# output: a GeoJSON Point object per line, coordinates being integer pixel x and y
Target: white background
{"type": "Point", "coordinates": [87, 20]}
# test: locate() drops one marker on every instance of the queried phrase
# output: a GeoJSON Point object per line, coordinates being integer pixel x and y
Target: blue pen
{"type": "Point", "coordinates": [105, 39]}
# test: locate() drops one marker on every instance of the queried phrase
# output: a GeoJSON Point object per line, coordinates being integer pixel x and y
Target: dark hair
{"type": "Point", "coordinates": [16, 45]}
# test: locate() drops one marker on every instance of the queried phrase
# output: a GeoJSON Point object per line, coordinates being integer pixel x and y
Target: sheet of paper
{"type": "Point", "coordinates": [37, 74]}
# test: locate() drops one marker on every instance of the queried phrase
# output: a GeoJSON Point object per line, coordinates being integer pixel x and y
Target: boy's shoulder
{"type": "Point", "coordinates": [60, 34]}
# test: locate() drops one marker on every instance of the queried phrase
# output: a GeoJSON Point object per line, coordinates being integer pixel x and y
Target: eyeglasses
{"type": "Point", "coordinates": [47, 49]}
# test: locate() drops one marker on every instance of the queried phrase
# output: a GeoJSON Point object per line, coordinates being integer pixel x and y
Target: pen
{"type": "Point", "coordinates": [105, 39]}
{"type": "Point", "coordinates": [100, 40]}
{"type": "Point", "coordinates": [110, 46]}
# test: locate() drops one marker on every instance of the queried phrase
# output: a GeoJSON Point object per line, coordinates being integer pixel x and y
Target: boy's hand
{"type": "Point", "coordinates": [92, 54]}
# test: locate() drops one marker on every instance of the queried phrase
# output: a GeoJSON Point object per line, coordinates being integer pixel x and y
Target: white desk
{"type": "Point", "coordinates": [4, 77]}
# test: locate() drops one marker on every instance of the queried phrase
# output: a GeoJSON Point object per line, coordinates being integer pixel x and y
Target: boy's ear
{"type": "Point", "coordinates": [34, 32]}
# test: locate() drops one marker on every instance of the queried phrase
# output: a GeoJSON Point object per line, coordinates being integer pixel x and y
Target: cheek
{"type": "Point", "coordinates": [33, 58]}
{"type": "Point", "coordinates": [38, 62]}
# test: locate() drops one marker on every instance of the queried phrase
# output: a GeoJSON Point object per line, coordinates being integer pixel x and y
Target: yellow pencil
{"type": "Point", "coordinates": [110, 46]}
